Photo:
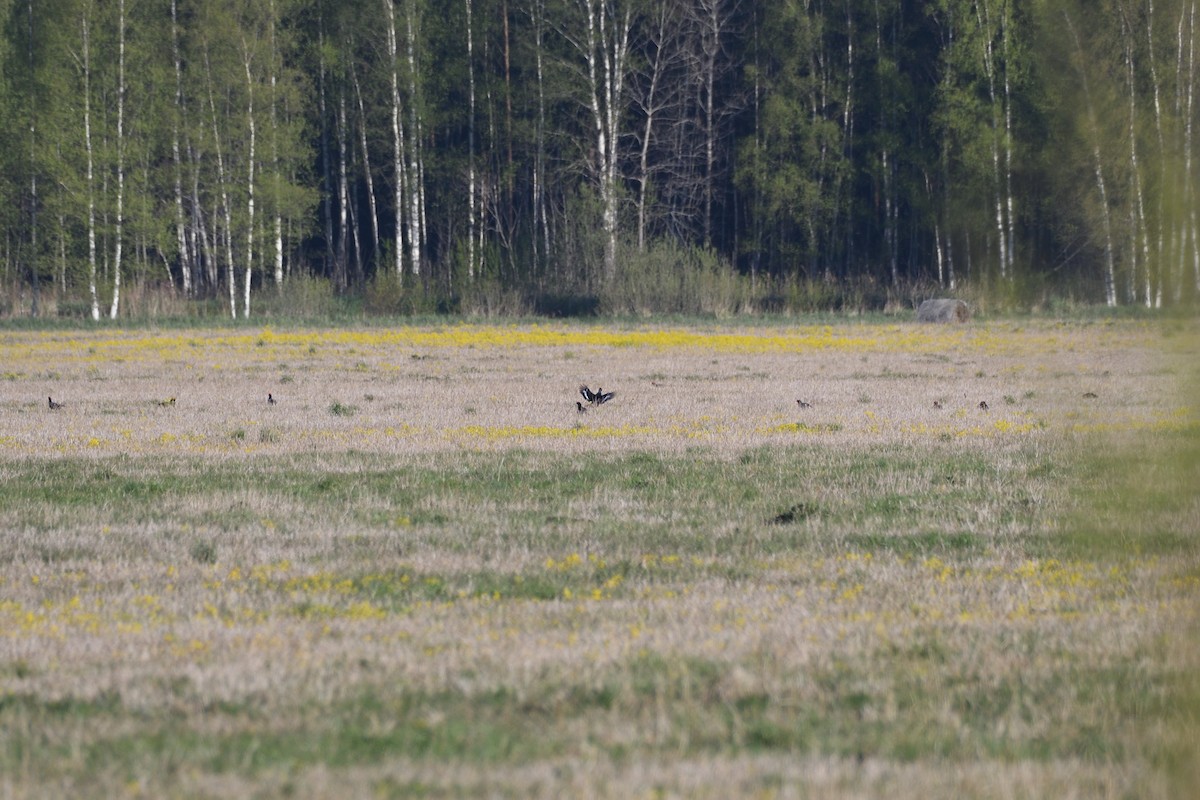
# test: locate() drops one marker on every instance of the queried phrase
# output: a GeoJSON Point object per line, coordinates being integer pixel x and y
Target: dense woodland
{"type": "Point", "coordinates": [568, 156]}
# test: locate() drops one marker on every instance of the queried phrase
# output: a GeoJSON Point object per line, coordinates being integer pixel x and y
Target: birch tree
{"type": "Point", "coordinates": [416, 195]}
{"type": "Point", "coordinates": [186, 263]}
{"type": "Point", "coordinates": [251, 125]}
{"type": "Point", "coordinates": [399, 170]}
{"type": "Point", "coordinates": [713, 22]}
{"type": "Point", "coordinates": [657, 93]}
{"type": "Point", "coordinates": [601, 41]}
{"type": "Point", "coordinates": [118, 235]}
{"type": "Point", "coordinates": [1187, 92]}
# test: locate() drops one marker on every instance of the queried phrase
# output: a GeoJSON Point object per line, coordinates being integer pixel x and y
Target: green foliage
{"type": "Point", "coordinates": [302, 297]}
{"type": "Point", "coordinates": [844, 153]}
{"type": "Point", "coordinates": [339, 409]}
{"type": "Point", "coordinates": [669, 279]}
{"type": "Point", "coordinates": [388, 294]}
{"type": "Point", "coordinates": [506, 534]}
{"type": "Point", "coordinates": [203, 552]}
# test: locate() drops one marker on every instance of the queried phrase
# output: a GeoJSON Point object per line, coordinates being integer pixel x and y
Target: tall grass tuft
{"type": "Point", "coordinates": [668, 278]}
{"type": "Point", "coordinates": [339, 409]}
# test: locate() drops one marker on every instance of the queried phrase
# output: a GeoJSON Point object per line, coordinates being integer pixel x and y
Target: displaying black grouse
{"type": "Point", "coordinates": [597, 397]}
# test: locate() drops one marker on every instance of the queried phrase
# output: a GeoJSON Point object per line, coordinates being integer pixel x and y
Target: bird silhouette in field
{"type": "Point", "coordinates": [598, 397]}
{"type": "Point", "coordinates": [803, 403]}
{"type": "Point", "coordinates": [579, 407]}
{"type": "Point", "coordinates": [983, 406]}
{"type": "Point", "coordinates": [937, 403]}
{"type": "Point", "coordinates": [270, 399]}
{"type": "Point", "coordinates": [167, 402]}
{"type": "Point", "coordinates": [53, 405]}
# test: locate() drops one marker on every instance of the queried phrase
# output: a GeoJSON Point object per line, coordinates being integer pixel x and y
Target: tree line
{"type": "Point", "coordinates": [457, 153]}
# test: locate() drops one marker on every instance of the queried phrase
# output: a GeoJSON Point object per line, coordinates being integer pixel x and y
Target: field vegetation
{"type": "Point", "coordinates": [422, 571]}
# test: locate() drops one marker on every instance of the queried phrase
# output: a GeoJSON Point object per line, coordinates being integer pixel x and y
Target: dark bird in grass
{"type": "Point", "coordinates": [168, 402]}
{"type": "Point", "coordinates": [794, 514]}
{"type": "Point", "coordinates": [53, 405]}
{"type": "Point", "coordinates": [579, 407]}
{"type": "Point", "coordinates": [803, 403]}
{"type": "Point", "coordinates": [937, 403]}
{"type": "Point", "coordinates": [1090, 395]}
{"type": "Point", "coordinates": [597, 397]}
{"type": "Point", "coordinates": [983, 406]}
{"type": "Point", "coordinates": [270, 399]}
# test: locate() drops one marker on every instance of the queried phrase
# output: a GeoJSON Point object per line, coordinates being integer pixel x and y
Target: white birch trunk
{"type": "Point", "coordinates": [279, 252]}
{"type": "Point", "coordinates": [397, 140]}
{"type": "Point", "coordinates": [416, 199]}
{"type": "Point", "coordinates": [200, 243]}
{"type": "Point", "coordinates": [343, 195]}
{"type": "Point", "coordinates": [120, 221]}
{"type": "Point", "coordinates": [1181, 232]}
{"type": "Point", "coordinates": [366, 156]}
{"type": "Point", "coordinates": [989, 68]}
{"type": "Point", "coordinates": [890, 221]}
{"type": "Point", "coordinates": [249, 187]}
{"type": "Point", "coordinates": [224, 192]}
{"type": "Point", "coordinates": [278, 217]}
{"type": "Point", "coordinates": [34, 277]}
{"type": "Point", "coordinates": [1155, 284]}
{"type": "Point", "coordinates": [537, 16]}
{"type": "Point", "coordinates": [664, 50]}
{"type": "Point", "coordinates": [941, 256]}
{"type": "Point", "coordinates": [91, 175]}
{"type": "Point", "coordinates": [185, 262]}
{"type": "Point", "coordinates": [1189, 192]}
{"type": "Point", "coordinates": [592, 57]}
{"type": "Point", "coordinates": [711, 38]}
{"type": "Point", "coordinates": [606, 76]}
{"type": "Point", "coordinates": [1140, 230]}
{"type": "Point", "coordinates": [1110, 278]}
{"type": "Point", "coordinates": [1006, 21]}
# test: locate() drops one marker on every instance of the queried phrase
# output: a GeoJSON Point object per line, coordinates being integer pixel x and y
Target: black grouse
{"type": "Point", "coordinates": [597, 397]}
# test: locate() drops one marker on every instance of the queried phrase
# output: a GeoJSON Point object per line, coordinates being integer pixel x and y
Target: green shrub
{"type": "Point", "coordinates": [303, 296]}
{"type": "Point", "coordinates": [342, 409]}
{"type": "Point", "coordinates": [203, 552]}
{"type": "Point", "coordinates": [387, 295]}
{"type": "Point", "coordinates": [667, 278]}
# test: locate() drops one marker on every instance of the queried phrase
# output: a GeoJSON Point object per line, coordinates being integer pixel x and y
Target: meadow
{"type": "Point", "coordinates": [423, 572]}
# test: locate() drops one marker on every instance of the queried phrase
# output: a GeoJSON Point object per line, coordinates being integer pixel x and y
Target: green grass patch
{"type": "Point", "coordinates": [928, 605]}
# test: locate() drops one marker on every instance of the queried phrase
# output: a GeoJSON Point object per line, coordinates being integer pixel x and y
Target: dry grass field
{"type": "Point", "coordinates": [423, 572]}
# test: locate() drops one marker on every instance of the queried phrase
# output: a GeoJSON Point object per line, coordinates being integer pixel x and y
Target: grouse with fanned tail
{"type": "Point", "coordinates": [597, 397]}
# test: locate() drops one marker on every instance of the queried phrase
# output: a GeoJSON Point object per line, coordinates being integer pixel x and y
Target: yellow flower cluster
{"type": "Point", "coordinates": [108, 347]}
